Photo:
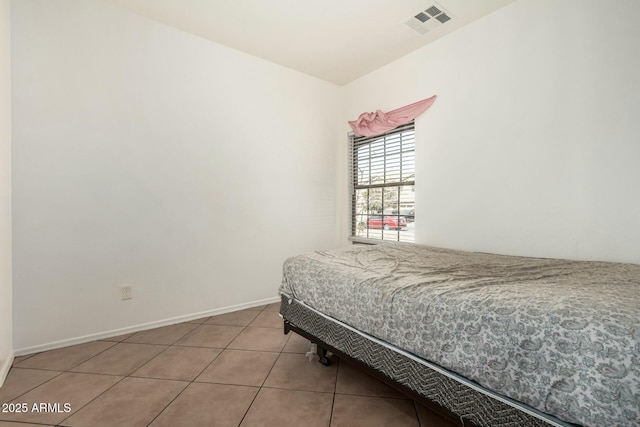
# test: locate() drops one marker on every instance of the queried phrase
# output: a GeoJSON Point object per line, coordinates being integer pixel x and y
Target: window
{"type": "Point", "coordinates": [383, 185]}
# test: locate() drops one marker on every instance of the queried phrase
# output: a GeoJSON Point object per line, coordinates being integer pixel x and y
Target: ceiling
{"type": "Point", "coordinates": [334, 40]}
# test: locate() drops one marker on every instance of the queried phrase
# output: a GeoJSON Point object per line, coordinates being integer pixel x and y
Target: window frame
{"type": "Point", "coordinates": [356, 143]}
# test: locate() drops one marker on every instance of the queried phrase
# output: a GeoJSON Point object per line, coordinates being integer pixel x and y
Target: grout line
{"type": "Point", "coordinates": [190, 382]}
{"type": "Point", "coordinates": [71, 372]}
{"type": "Point", "coordinates": [263, 382]}
{"type": "Point", "coordinates": [375, 396]}
{"type": "Point", "coordinates": [205, 368]}
{"type": "Point", "coordinates": [270, 370]}
{"type": "Point", "coordinates": [81, 407]}
{"type": "Point", "coordinates": [208, 364]}
{"type": "Point", "coordinates": [333, 401]}
{"type": "Point", "coordinates": [169, 404]}
{"type": "Point", "coordinates": [264, 327]}
{"type": "Point", "coordinates": [24, 357]}
{"type": "Point", "coordinates": [220, 348]}
{"type": "Point", "coordinates": [38, 369]}
{"type": "Point", "coordinates": [250, 405]}
{"type": "Point", "coordinates": [113, 344]}
{"type": "Point", "coordinates": [86, 360]}
{"type": "Point", "coordinates": [415, 410]}
{"type": "Point", "coordinates": [147, 362]}
{"type": "Point", "coordinates": [31, 389]}
{"type": "Point", "coordinates": [123, 375]}
{"type": "Point", "coordinates": [168, 347]}
{"type": "Point", "coordinates": [270, 387]}
{"type": "Point", "coordinates": [37, 423]}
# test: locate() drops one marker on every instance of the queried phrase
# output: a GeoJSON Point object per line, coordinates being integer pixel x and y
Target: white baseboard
{"type": "Point", "coordinates": [6, 366]}
{"type": "Point", "coordinates": [138, 328]}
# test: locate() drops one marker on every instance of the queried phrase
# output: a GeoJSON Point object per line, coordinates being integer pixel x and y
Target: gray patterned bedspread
{"type": "Point", "coordinates": [561, 336]}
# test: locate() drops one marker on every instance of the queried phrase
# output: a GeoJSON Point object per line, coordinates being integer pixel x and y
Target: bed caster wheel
{"type": "Point", "coordinates": [323, 355]}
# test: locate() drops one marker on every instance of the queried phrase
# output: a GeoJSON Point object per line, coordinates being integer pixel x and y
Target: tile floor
{"type": "Point", "coordinates": [235, 369]}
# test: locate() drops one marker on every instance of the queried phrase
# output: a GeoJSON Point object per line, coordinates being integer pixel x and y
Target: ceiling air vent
{"type": "Point", "coordinates": [429, 19]}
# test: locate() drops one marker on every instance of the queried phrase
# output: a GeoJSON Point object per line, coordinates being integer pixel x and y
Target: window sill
{"type": "Point", "coordinates": [365, 241]}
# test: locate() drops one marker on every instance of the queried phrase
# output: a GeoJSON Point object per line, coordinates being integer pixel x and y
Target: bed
{"type": "Point", "coordinates": [495, 340]}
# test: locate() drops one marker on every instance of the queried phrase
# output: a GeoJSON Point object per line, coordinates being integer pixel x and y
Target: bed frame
{"type": "Point", "coordinates": [460, 403]}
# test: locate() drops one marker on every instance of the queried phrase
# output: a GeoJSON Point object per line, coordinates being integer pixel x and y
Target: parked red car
{"type": "Point", "coordinates": [395, 222]}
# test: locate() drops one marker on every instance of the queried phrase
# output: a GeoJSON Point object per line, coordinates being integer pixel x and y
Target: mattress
{"type": "Point", "coordinates": [560, 336]}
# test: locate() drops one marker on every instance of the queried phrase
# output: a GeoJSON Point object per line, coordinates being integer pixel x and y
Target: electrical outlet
{"type": "Point", "coordinates": [125, 292]}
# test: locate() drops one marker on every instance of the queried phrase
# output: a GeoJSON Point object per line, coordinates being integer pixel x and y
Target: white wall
{"type": "Point", "coordinates": [6, 339]}
{"type": "Point", "coordinates": [532, 147]}
{"type": "Point", "coordinates": [148, 156]}
{"type": "Point", "coordinates": [151, 157]}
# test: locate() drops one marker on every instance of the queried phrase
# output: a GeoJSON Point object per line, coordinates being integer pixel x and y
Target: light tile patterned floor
{"type": "Point", "coordinates": [235, 369]}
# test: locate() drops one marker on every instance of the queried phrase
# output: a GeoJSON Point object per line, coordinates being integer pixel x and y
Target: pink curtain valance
{"type": "Point", "coordinates": [372, 124]}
